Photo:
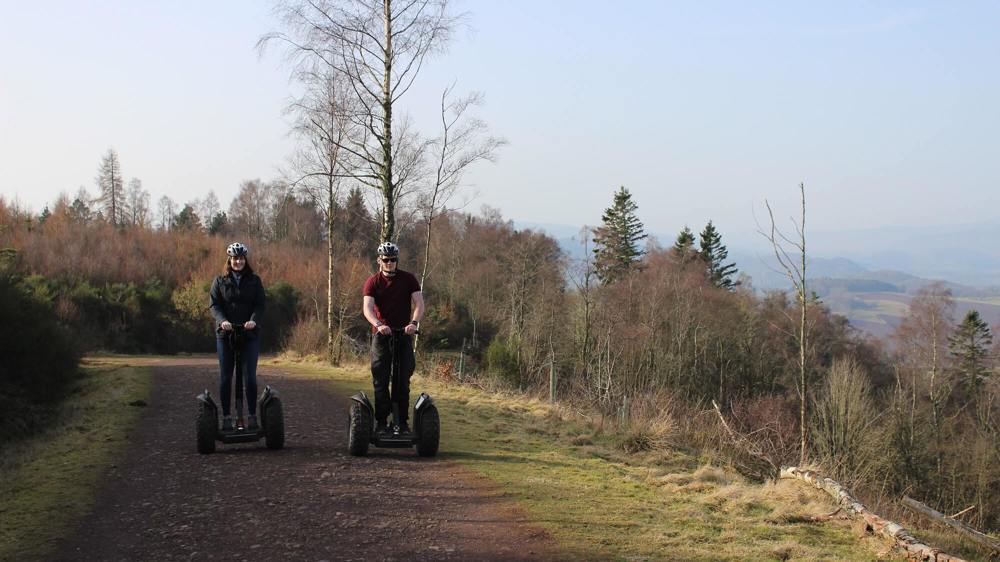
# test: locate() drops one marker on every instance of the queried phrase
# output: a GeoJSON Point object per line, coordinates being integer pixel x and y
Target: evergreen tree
{"type": "Point", "coordinates": [616, 249]}
{"type": "Point", "coordinates": [714, 253]}
{"type": "Point", "coordinates": [684, 245]}
{"type": "Point", "coordinates": [969, 347]}
{"type": "Point", "coordinates": [187, 219]}
{"type": "Point", "coordinates": [218, 223]}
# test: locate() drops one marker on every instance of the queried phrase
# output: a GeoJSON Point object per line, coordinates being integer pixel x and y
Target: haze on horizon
{"type": "Point", "coordinates": [886, 111]}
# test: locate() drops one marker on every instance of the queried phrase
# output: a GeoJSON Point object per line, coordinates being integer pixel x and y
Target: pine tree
{"type": "Point", "coordinates": [969, 347]}
{"type": "Point", "coordinates": [684, 245]}
{"type": "Point", "coordinates": [616, 250]}
{"type": "Point", "coordinates": [714, 253]}
{"type": "Point", "coordinates": [112, 187]}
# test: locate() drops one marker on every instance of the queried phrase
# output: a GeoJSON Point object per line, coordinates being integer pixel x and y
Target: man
{"type": "Point", "coordinates": [392, 302]}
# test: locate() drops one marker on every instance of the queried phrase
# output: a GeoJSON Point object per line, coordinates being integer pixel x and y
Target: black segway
{"type": "Point", "coordinates": [426, 432]}
{"type": "Point", "coordinates": [272, 418]}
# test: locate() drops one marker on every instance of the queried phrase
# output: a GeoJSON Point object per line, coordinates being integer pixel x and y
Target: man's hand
{"type": "Point", "coordinates": [226, 326]}
{"type": "Point", "coordinates": [384, 330]}
{"type": "Point", "coordinates": [410, 329]}
{"type": "Point", "coordinates": [250, 325]}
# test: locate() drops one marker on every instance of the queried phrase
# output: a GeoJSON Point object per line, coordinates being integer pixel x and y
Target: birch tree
{"type": "Point", "coordinates": [791, 256]}
{"type": "Point", "coordinates": [378, 47]}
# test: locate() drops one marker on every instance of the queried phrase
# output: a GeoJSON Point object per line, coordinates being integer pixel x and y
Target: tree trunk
{"type": "Point", "coordinates": [915, 550]}
{"type": "Point", "coordinates": [389, 203]}
{"type": "Point", "coordinates": [804, 428]}
{"type": "Point", "coordinates": [329, 278]}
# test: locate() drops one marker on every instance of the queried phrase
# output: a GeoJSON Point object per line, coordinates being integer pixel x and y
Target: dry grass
{"type": "Point", "coordinates": [602, 503]}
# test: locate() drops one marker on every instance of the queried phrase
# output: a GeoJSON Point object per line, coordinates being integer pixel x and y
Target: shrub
{"type": "Point", "coordinates": [280, 314]}
{"type": "Point", "coordinates": [844, 435]}
{"type": "Point", "coordinates": [307, 337]}
{"type": "Point", "coordinates": [502, 360]}
{"type": "Point", "coordinates": [39, 357]}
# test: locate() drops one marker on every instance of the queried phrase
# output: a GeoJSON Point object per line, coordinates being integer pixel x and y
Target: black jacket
{"type": "Point", "coordinates": [236, 303]}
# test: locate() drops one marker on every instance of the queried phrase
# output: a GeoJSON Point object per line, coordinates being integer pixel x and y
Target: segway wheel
{"type": "Point", "coordinates": [207, 426]}
{"type": "Point", "coordinates": [360, 432]}
{"type": "Point", "coordinates": [430, 433]}
{"type": "Point", "coordinates": [274, 424]}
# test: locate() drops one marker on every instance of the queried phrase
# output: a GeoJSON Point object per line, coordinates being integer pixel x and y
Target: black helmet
{"type": "Point", "coordinates": [388, 249]}
{"type": "Point", "coordinates": [237, 249]}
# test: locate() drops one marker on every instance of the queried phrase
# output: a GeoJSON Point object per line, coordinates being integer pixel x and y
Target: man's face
{"type": "Point", "coordinates": [387, 263]}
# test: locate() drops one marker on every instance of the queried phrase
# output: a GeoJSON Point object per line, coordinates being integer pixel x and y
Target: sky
{"type": "Point", "coordinates": [887, 111]}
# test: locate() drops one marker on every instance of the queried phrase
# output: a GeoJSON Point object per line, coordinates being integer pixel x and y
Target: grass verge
{"type": "Point", "coordinates": [49, 481]}
{"type": "Point", "coordinates": [601, 503]}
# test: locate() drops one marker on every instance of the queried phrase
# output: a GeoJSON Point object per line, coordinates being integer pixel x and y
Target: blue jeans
{"type": "Point", "coordinates": [227, 365]}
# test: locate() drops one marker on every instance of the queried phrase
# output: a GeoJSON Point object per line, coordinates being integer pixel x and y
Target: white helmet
{"type": "Point", "coordinates": [388, 249]}
{"type": "Point", "coordinates": [237, 249]}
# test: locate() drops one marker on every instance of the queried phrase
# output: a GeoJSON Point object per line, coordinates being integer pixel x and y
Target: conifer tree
{"type": "Point", "coordinates": [714, 253]}
{"type": "Point", "coordinates": [616, 242]}
{"type": "Point", "coordinates": [969, 347]}
{"type": "Point", "coordinates": [684, 245]}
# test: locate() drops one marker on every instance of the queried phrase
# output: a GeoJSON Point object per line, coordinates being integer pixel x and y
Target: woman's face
{"type": "Point", "coordinates": [238, 262]}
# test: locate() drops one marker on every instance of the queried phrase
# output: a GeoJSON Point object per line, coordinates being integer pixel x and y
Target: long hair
{"type": "Point", "coordinates": [229, 267]}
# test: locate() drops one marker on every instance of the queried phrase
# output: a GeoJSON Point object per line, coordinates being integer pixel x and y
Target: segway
{"type": "Point", "coordinates": [270, 414]}
{"type": "Point", "coordinates": [426, 432]}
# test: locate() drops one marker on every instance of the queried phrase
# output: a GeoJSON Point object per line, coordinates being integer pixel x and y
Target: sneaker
{"type": "Point", "coordinates": [227, 423]}
{"type": "Point", "coordinates": [252, 423]}
{"type": "Point", "coordinates": [404, 427]}
{"type": "Point", "coordinates": [381, 427]}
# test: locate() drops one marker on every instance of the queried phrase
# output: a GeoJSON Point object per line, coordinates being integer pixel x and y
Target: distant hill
{"type": "Point", "coordinates": [876, 296]}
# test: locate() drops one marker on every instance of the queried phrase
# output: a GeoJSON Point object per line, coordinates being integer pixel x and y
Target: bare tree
{"type": "Point", "coordinates": [137, 201]}
{"type": "Point", "coordinates": [795, 269]}
{"type": "Point", "coordinates": [207, 207]}
{"type": "Point", "coordinates": [111, 185]}
{"type": "Point", "coordinates": [323, 123]}
{"type": "Point", "coordinates": [166, 209]}
{"type": "Point", "coordinates": [378, 47]}
{"type": "Point", "coordinates": [923, 339]}
{"type": "Point", "coordinates": [464, 141]}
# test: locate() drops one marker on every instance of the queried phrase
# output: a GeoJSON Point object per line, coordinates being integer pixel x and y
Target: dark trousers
{"type": "Point", "coordinates": [227, 365]}
{"type": "Point", "coordinates": [382, 348]}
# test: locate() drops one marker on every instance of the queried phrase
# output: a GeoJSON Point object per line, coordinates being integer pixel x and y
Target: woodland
{"type": "Point", "coordinates": [640, 336]}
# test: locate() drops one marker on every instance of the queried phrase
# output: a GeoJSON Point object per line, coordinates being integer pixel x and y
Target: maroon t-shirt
{"type": "Point", "coordinates": [392, 296]}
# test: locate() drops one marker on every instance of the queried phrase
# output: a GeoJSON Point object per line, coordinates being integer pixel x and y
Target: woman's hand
{"type": "Point", "coordinates": [250, 325]}
{"type": "Point", "coordinates": [226, 326]}
{"type": "Point", "coordinates": [384, 329]}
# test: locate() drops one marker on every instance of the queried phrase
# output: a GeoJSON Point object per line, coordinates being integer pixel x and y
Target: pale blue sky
{"type": "Point", "coordinates": [888, 111]}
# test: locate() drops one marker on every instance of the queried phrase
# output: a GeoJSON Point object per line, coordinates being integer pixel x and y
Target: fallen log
{"type": "Point", "coordinates": [962, 528]}
{"type": "Point", "coordinates": [915, 550]}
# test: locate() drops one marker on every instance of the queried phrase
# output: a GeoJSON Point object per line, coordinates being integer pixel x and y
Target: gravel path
{"type": "Point", "coordinates": [308, 501]}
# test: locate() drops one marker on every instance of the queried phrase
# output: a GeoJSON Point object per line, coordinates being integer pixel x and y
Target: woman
{"type": "Point", "coordinates": [237, 297]}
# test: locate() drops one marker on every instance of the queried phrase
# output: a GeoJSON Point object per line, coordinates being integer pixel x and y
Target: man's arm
{"type": "Point", "coordinates": [369, 310]}
{"type": "Point", "coordinates": [417, 302]}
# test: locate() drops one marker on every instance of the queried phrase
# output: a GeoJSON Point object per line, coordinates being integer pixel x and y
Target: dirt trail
{"type": "Point", "coordinates": [309, 501]}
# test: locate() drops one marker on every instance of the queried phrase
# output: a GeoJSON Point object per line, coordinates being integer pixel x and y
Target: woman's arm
{"type": "Point", "coordinates": [216, 303]}
{"type": "Point", "coordinates": [258, 302]}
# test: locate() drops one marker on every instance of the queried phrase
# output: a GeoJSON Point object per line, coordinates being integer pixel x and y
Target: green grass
{"type": "Point", "coordinates": [50, 480]}
{"type": "Point", "coordinates": [601, 503]}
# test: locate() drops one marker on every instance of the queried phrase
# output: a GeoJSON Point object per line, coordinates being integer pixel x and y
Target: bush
{"type": "Point", "coordinates": [502, 360]}
{"type": "Point", "coordinates": [307, 337]}
{"type": "Point", "coordinates": [280, 314]}
{"type": "Point", "coordinates": [844, 434]}
{"type": "Point", "coordinates": [39, 359]}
